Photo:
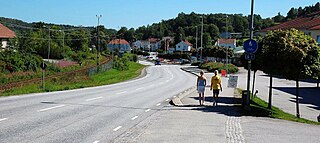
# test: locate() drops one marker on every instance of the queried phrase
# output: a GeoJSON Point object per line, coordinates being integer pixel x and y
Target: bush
{"type": "Point", "coordinates": [212, 66]}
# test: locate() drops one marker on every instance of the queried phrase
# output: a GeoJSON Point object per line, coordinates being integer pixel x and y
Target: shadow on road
{"type": "Point", "coordinates": [308, 95]}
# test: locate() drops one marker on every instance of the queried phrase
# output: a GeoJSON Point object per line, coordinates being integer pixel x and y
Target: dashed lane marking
{"type": "Point", "coordinates": [147, 110]}
{"type": "Point", "coordinates": [94, 98]}
{"type": "Point", "coordinates": [46, 109]}
{"type": "Point", "coordinates": [158, 104]}
{"type": "Point", "coordinates": [135, 117]}
{"type": "Point", "coordinates": [117, 128]}
{"type": "Point", "coordinates": [139, 88]}
{"type": "Point", "coordinates": [96, 141]}
{"type": "Point", "coordinates": [3, 119]}
{"type": "Point", "coordinates": [122, 92]}
{"type": "Point", "coordinates": [167, 100]}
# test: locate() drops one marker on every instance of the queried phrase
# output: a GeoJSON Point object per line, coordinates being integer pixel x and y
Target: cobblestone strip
{"type": "Point", "coordinates": [233, 130]}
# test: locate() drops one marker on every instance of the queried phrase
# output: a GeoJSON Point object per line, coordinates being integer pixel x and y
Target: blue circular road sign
{"type": "Point", "coordinates": [250, 46]}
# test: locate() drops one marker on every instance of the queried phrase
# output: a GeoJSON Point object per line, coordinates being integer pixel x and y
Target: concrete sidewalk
{"type": "Point", "coordinates": [189, 123]}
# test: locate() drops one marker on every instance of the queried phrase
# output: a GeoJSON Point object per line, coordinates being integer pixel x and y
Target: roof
{"type": "Point", "coordinates": [5, 32]}
{"type": "Point", "coordinates": [310, 22]}
{"type": "Point", "coordinates": [226, 41]}
{"type": "Point", "coordinates": [118, 41]}
{"type": "Point", "coordinates": [188, 43]}
{"type": "Point", "coordinates": [153, 40]}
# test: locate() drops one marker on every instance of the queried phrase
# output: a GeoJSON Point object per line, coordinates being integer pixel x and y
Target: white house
{"type": "Point", "coordinates": [137, 44]}
{"type": "Point", "coordinates": [184, 46]}
{"type": "Point", "coordinates": [5, 35]}
{"type": "Point", "coordinates": [309, 24]}
{"type": "Point", "coordinates": [151, 44]}
{"type": "Point", "coordinates": [230, 43]}
{"type": "Point", "coordinates": [120, 44]}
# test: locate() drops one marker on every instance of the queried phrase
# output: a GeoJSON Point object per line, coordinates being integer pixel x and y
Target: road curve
{"type": "Point", "coordinates": [93, 115]}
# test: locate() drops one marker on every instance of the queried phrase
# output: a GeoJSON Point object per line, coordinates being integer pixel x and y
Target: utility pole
{"type": "Point", "coordinates": [49, 45]}
{"type": "Point", "coordinates": [98, 40]}
{"type": "Point", "coordinates": [201, 38]}
{"type": "Point", "coordinates": [197, 40]}
{"type": "Point", "coordinates": [249, 62]}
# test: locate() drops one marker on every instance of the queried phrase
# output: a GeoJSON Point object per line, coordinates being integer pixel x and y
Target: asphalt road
{"type": "Point", "coordinates": [90, 115]}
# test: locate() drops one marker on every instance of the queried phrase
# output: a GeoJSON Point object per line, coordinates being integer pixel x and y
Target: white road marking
{"type": "Point", "coordinates": [46, 109]}
{"type": "Point", "coordinates": [122, 92]}
{"type": "Point", "coordinates": [147, 110]}
{"type": "Point", "coordinates": [158, 104]}
{"type": "Point", "coordinates": [167, 100]}
{"type": "Point", "coordinates": [97, 141]}
{"type": "Point", "coordinates": [135, 117]}
{"type": "Point", "coordinates": [174, 96]}
{"type": "Point", "coordinates": [3, 119]}
{"type": "Point", "coordinates": [117, 128]}
{"type": "Point", "coordinates": [139, 88]}
{"type": "Point", "coordinates": [93, 98]}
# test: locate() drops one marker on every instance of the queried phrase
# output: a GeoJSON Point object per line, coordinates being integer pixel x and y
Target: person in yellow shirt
{"type": "Point", "coordinates": [215, 86]}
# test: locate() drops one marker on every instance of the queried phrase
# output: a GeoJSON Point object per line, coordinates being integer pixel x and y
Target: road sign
{"type": "Point", "coordinates": [233, 81]}
{"type": "Point", "coordinates": [43, 66]}
{"type": "Point", "coordinates": [250, 46]}
{"type": "Point", "coordinates": [249, 56]}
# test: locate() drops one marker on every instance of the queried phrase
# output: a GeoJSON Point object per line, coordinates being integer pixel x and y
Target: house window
{"type": "Point", "coordinates": [318, 39]}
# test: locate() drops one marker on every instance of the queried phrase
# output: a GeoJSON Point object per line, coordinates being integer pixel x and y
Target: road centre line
{"type": "Point", "coordinates": [122, 92]}
{"type": "Point", "coordinates": [147, 110]}
{"type": "Point", "coordinates": [117, 128]}
{"type": "Point", "coordinates": [3, 119]}
{"type": "Point", "coordinates": [94, 98]}
{"type": "Point", "coordinates": [167, 100]}
{"type": "Point", "coordinates": [135, 117]}
{"type": "Point", "coordinates": [97, 141]}
{"type": "Point", "coordinates": [139, 88]}
{"type": "Point", "coordinates": [158, 104]}
{"type": "Point", "coordinates": [46, 109]}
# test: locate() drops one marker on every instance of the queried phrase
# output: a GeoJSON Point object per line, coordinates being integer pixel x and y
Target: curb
{"type": "Point", "coordinates": [189, 71]}
{"type": "Point", "coordinates": [176, 101]}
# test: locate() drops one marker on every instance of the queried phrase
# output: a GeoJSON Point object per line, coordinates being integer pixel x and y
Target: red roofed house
{"type": "Point", "coordinates": [309, 24]}
{"type": "Point", "coordinates": [5, 35]}
{"type": "Point", "coordinates": [230, 43]}
{"type": "Point", "coordinates": [184, 46]}
{"type": "Point", "coordinates": [120, 44]}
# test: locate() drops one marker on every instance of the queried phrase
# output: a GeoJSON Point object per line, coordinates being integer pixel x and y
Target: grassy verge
{"type": "Point", "coordinates": [259, 108]}
{"type": "Point", "coordinates": [66, 83]}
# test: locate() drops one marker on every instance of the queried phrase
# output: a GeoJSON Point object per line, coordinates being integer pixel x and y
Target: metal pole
{"type": "Point", "coordinates": [227, 46]}
{"type": "Point", "coordinates": [201, 38]}
{"type": "Point", "coordinates": [42, 76]}
{"type": "Point", "coordinates": [197, 40]}
{"type": "Point", "coordinates": [49, 46]}
{"type": "Point", "coordinates": [249, 62]}
{"type": "Point", "coordinates": [98, 40]}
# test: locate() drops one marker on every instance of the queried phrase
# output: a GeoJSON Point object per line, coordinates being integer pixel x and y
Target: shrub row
{"type": "Point", "coordinates": [212, 66]}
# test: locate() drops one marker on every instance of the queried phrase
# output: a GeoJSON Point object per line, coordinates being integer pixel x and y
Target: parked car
{"type": "Point", "coordinates": [157, 62]}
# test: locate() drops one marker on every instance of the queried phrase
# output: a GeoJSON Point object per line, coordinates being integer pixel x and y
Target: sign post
{"type": "Point", "coordinates": [250, 47]}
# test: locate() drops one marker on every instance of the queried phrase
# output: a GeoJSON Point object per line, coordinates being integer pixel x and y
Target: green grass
{"type": "Point", "coordinates": [260, 108]}
{"type": "Point", "coordinates": [67, 83]}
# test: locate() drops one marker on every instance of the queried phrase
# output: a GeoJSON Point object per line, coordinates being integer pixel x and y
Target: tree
{"type": "Point", "coordinates": [293, 13]}
{"type": "Point", "coordinates": [279, 18]}
{"type": "Point", "coordinates": [290, 54]}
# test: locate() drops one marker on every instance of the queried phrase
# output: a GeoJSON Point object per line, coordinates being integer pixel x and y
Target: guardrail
{"type": "Point", "coordinates": [90, 70]}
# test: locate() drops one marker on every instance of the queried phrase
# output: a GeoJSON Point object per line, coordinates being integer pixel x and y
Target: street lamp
{"type": "Point", "coordinates": [227, 48]}
{"type": "Point", "coordinates": [197, 40]}
{"type": "Point", "coordinates": [201, 38]}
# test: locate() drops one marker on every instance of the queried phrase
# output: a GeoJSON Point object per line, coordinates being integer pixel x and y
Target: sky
{"type": "Point", "coordinates": [134, 13]}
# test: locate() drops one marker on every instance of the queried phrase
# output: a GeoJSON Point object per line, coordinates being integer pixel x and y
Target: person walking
{"type": "Point", "coordinates": [201, 85]}
{"type": "Point", "coordinates": [215, 87]}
